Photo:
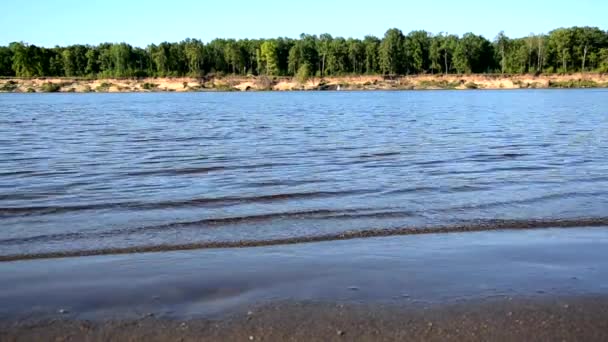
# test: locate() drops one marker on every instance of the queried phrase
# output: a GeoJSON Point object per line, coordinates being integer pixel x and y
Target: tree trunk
{"type": "Point", "coordinates": [445, 57]}
{"type": "Point", "coordinates": [540, 58]}
{"type": "Point", "coordinates": [323, 66]}
{"type": "Point", "coordinates": [503, 59]}
{"type": "Point", "coordinates": [584, 57]}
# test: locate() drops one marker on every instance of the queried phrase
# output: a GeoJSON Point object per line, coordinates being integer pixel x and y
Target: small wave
{"type": "Point", "coordinates": [483, 157]}
{"type": "Point", "coordinates": [417, 189]}
{"type": "Point", "coordinates": [380, 154]}
{"type": "Point", "coordinates": [194, 202]}
{"type": "Point", "coordinates": [284, 182]}
{"type": "Point", "coordinates": [474, 226]}
{"type": "Point", "coordinates": [490, 170]}
{"type": "Point", "coordinates": [321, 214]}
{"type": "Point", "coordinates": [530, 200]}
{"type": "Point", "coordinates": [201, 170]}
{"type": "Point", "coordinates": [15, 173]}
{"type": "Point", "coordinates": [175, 172]}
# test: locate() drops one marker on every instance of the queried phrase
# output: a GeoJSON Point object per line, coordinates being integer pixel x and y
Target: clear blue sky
{"type": "Point", "coordinates": [62, 22]}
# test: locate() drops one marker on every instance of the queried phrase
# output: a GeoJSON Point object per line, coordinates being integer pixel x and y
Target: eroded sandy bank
{"type": "Point", "coordinates": [237, 83]}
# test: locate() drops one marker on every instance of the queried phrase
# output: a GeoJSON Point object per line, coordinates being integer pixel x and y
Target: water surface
{"type": "Point", "coordinates": [102, 171]}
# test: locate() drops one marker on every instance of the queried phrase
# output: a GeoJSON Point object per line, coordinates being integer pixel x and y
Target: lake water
{"type": "Point", "coordinates": [104, 171]}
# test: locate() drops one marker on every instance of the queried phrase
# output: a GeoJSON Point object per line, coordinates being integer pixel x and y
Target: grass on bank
{"type": "Point", "coordinates": [104, 87]}
{"type": "Point", "coordinates": [438, 84]}
{"type": "Point", "coordinates": [577, 84]}
{"type": "Point", "coordinates": [9, 86]}
{"type": "Point", "coordinates": [50, 87]}
{"type": "Point", "coordinates": [149, 86]}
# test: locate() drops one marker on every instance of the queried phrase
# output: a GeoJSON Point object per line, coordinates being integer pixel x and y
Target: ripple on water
{"type": "Point", "coordinates": [81, 171]}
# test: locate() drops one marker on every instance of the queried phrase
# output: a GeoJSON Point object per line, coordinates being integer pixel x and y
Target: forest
{"type": "Point", "coordinates": [562, 50]}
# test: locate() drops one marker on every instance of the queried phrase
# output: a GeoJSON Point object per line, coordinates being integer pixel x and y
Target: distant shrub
{"type": "Point", "coordinates": [149, 86]}
{"type": "Point", "coordinates": [303, 73]}
{"type": "Point", "coordinates": [50, 87]}
{"type": "Point", "coordinates": [185, 84]}
{"type": "Point", "coordinates": [443, 84]}
{"type": "Point", "coordinates": [9, 86]}
{"type": "Point", "coordinates": [264, 83]}
{"type": "Point", "coordinates": [573, 84]}
{"type": "Point", "coordinates": [224, 87]}
{"type": "Point", "coordinates": [105, 86]}
{"type": "Point", "coordinates": [30, 90]}
{"type": "Point", "coordinates": [87, 89]}
{"type": "Point", "coordinates": [471, 85]}
{"type": "Point", "coordinates": [323, 85]}
{"type": "Point", "coordinates": [72, 90]}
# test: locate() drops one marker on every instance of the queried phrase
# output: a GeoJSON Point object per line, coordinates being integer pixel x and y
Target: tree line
{"type": "Point", "coordinates": [419, 52]}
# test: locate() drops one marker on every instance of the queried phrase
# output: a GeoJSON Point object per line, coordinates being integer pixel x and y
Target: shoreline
{"type": "Point", "coordinates": [550, 280]}
{"type": "Point", "coordinates": [488, 226]}
{"type": "Point", "coordinates": [269, 83]}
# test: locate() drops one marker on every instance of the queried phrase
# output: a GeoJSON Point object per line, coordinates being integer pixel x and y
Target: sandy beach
{"type": "Point", "coordinates": [545, 284]}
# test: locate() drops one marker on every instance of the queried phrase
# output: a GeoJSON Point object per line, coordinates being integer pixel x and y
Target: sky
{"type": "Point", "coordinates": [64, 22]}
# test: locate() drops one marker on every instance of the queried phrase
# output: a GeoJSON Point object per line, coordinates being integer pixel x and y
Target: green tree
{"type": "Point", "coordinates": [517, 56]}
{"type": "Point", "coordinates": [25, 61]}
{"type": "Point", "coordinates": [160, 58]}
{"type": "Point", "coordinates": [121, 59]}
{"type": "Point", "coordinates": [417, 45]}
{"type": "Point", "coordinates": [603, 60]}
{"type": "Point", "coordinates": [587, 41]}
{"type": "Point", "coordinates": [234, 56]}
{"type": "Point", "coordinates": [69, 64]}
{"type": "Point", "coordinates": [502, 45]}
{"type": "Point", "coordinates": [269, 57]}
{"type": "Point", "coordinates": [216, 56]}
{"type": "Point", "coordinates": [337, 59]}
{"type": "Point", "coordinates": [249, 49]}
{"type": "Point", "coordinates": [303, 73]}
{"type": "Point", "coordinates": [92, 56]}
{"type": "Point", "coordinates": [560, 41]}
{"type": "Point", "coordinates": [56, 65]}
{"type": "Point", "coordinates": [563, 50]}
{"type": "Point", "coordinates": [371, 45]}
{"type": "Point", "coordinates": [391, 52]}
{"type": "Point", "coordinates": [435, 54]}
{"type": "Point", "coordinates": [195, 54]}
{"type": "Point", "coordinates": [141, 63]}
{"type": "Point", "coordinates": [356, 55]}
{"type": "Point", "coordinates": [447, 48]}
{"type": "Point", "coordinates": [303, 51]}
{"type": "Point", "coordinates": [6, 61]}
{"type": "Point", "coordinates": [324, 48]}
{"type": "Point", "coordinates": [473, 54]}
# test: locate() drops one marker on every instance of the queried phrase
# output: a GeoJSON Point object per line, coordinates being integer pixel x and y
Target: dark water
{"type": "Point", "coordinates": [104, 171]}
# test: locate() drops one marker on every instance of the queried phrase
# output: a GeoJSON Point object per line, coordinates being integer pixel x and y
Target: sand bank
{"type": "Point", "coordinates": [263, 83]}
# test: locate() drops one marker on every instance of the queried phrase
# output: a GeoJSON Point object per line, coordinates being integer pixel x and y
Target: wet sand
{"type": "Point", "coordinates": [563, 319]}
{"type": "Point", "coordinates": [545, 284]}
